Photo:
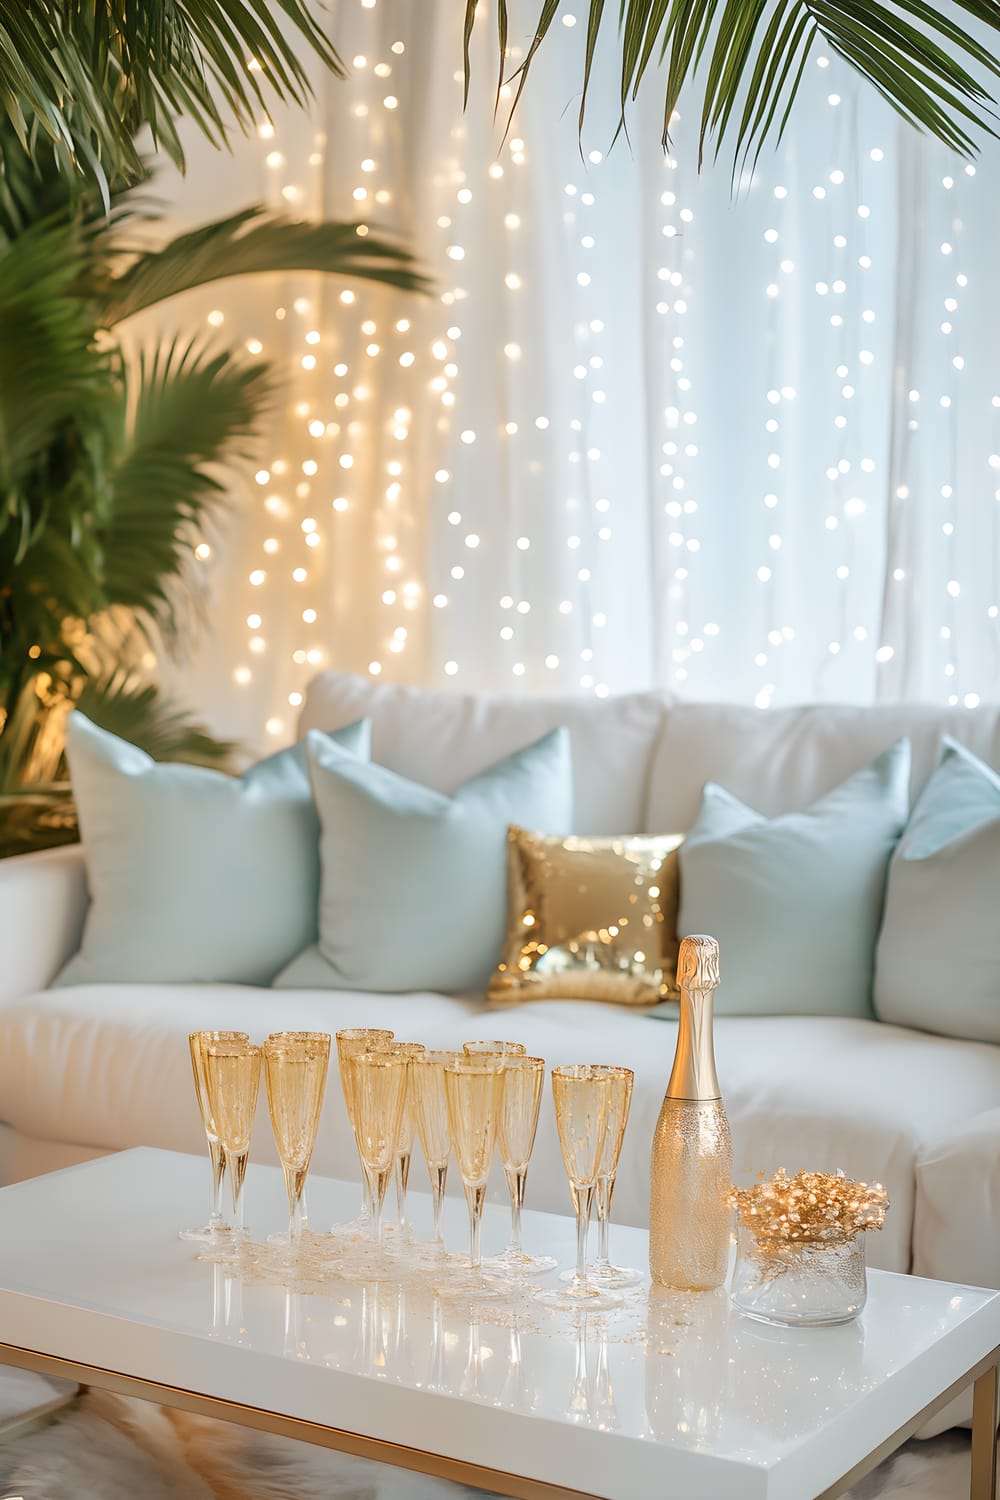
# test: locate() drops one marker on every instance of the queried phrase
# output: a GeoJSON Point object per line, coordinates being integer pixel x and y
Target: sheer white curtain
{"type": "Point", "coordinates": [645, 432]}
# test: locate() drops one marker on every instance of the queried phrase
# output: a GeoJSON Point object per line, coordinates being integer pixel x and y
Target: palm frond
{"type": "Point", "coordinates": [143, 715]}
{"type": "Point", "coordinates": [248, 243]}
{"type": "Point", "coordinates": [51, 373]}
{"type": "Point", "coordinates": [90, 73]}
{"type": "Point", "coordinates": [922, 59]}
{"type": "Point", "coordinates": [190, 410]}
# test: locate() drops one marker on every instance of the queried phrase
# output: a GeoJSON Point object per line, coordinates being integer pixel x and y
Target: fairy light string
{"type": "Point", "coordinates": [386, 430]}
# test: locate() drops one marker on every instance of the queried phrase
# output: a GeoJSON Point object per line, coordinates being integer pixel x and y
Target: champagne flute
{"type": "Point", "coordinates": [196, 1040]}
{"type": "Point", "coordinates": [500, 1049]}
{"type": "Point", "coordinates": [295, 1068]}
{"type": "Point", "coordinates": [232, 1080]}
{"type": "Point", "coordinates": [279, 1238]}
{"type": "Point", "coordinates": [523, 1079]}
{"type": "Point", "coordinates": [620, 1099]}
{"type": "Point", "coordinates": [430, 1106]}
{"type": "Point", "coordinates": [581, 1095]}
{"type": "Point", "coordinates": [379, 1082]}
{"type": "Point", "coordinates": [350, 1040]}
{"type": "Point", "coordinates": [473, 1087]}
{"type": "Point", "coordinates": [404, 1141]}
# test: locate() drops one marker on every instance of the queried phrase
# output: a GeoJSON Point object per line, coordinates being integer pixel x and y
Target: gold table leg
{"type": "Point", "coordinates": [985, 1419]}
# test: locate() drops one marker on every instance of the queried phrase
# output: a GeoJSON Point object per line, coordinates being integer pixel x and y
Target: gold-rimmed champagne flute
{"type": "Point", "coordinates": [404, 1141]}
{"type": "Point", "coordinates": [279, 1238]}
{"type": "Point", "coordinates": [379, 1082]}
{"type": "Point", "coordinates": [196, 1040]}
{"type": "Point", "coordinates": [581, 1095]}
{"type": "Point", "coordinates": [232, 1080]}
{"type": "Point", "coordinates": [473, 1088]}
{"type": "Point", "coordinates": [430, 1106]}
{"type": "Point", "coordinates": [350, 1040]}
{"type": "Point", "coordinates": [601, 1270]}
{"type": "Point", "coordinates": [500, 1049]}
{"type": "Point", "coordinates": [521, 1095]}
{"type": "Point", "coordinates": [295, 1069]}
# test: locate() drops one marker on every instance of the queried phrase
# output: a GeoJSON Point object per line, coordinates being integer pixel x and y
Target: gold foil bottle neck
{"type": "Point", "coordinates": [698, 963]}
{"type": "Point", "coordinates": [693, 1077]}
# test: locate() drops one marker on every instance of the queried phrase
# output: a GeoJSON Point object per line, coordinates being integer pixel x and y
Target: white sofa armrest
{"type": "Point", "coordinates": [956, 1220]}
{"type": "Point", "coordinates": [43, 901]}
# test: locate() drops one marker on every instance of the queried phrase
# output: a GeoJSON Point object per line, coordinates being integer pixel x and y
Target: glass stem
{"type": "Point", "coordinates": [517, 1178]}
{"type": "Point", "coordinates": [218, 1159]}
{"type": "Point", "coordinates": [402, 1178]}
{"type": "Point", "coordinates": [439, 1176]}
{"type": "Point", "coordinates": [377, 1184]}
{"type": "Point", "coordinates": [579, 1403]}
{"type": "Point", "coordinates": [605, 1190]}
{"type": "Point", "coordinates": [584, 1201]}
{"type": "Point", "coordinates": [436, 1381]}
{"type": "Point", "coordinates": [295, 1181]}
{"type": "Point", "coordinates": [475, 1197]}
{"type": "Point", "coordinates": [366, 1187]}
{"type": "Point", "coordinates": [236, 1165]}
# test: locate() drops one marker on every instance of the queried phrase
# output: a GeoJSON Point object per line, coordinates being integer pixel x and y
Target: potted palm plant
{"type": "Point", "coordinates": [109, 460]}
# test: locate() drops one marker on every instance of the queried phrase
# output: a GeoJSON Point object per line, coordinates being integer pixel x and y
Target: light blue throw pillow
{"type": "Point", "coordinates": [938, 958]}
{"type": "Point", "coordinates": [414, 885]}
{"type": "Point", "coordinates": [194, 875]}
{"type": "Point", "coordinates": [796, 901]}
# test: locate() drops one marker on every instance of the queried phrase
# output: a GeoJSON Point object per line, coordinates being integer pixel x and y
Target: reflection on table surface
{"type": "Point", "coordinates": [682, 1370]}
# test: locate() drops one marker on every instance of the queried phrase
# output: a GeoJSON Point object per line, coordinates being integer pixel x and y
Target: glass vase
{"type": "Point", "coordinates": [804, 1283]}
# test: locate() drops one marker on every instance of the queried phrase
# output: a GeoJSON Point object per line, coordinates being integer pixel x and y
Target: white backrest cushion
{"type": "Point", "coordinates": [443, 739]}
{"type": "Point", "coordinates": [782, 760]}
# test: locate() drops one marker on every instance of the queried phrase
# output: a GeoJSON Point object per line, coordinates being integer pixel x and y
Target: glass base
{"type": "Point", "coordinates": [816, 1320]}
{"type": "Point", "coordinates": [208, 1234]}
{"type": "Point", "coordinates": [472, 1286]}
{"type": "Point", "coordinates": [580, 1295]}
{"type": "Point", "coordinates": [234, 1249]}
{"type": "Point", "coordinates": [352, 1228]}
{"type": "Point", "coordinates": [518, 1265]}
{"type": "Point", "coordinates": [373, 1270]}
{"type": "Point", "coordinates": [432, 1255]}
{"type": "Point", "coordinates": [608, 1277]}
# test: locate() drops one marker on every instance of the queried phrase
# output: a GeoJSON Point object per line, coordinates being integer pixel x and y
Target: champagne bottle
{"type": "Point", "coordinates": [692, 1159]}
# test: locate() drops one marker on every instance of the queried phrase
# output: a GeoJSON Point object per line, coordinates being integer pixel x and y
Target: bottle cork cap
{"type": "Point", "coordinates": [698, 963]}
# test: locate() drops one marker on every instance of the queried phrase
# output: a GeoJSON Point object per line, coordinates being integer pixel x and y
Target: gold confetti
{"type": "Point", "coordinates": [810, 1208]}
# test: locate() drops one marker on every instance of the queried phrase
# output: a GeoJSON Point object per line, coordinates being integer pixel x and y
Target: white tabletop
{"type": "Point", "coordinates": [672, 1394]}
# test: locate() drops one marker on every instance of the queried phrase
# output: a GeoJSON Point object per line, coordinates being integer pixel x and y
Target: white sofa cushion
{"type": "Point", "coordinates": [443, 739]}
{"type": "Point", "coordinates": [108, 1067]}
{"type": "Point", "coordinates": [938, 960]}
{"type": "Point", "coordinates": [194, 876]}
{"type": "Point", "coordinates": [413, 890]}
{"type": "Point", "coordinates": [779, 760]}
{"type": "Point", "coordinates": [795, 901]}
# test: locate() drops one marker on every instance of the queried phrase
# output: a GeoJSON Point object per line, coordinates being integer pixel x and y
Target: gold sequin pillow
{"type": "Point", "coordinates": [589, 919]}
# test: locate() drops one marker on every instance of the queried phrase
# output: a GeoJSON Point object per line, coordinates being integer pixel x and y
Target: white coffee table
{"type": "Point", "coordinates": [673, 1396]}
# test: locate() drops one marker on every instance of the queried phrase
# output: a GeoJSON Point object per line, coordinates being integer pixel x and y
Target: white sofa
{"type": "Point", "coordinates": [97, 1068]}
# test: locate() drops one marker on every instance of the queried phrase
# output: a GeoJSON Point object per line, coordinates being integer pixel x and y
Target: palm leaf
{"type": "Point", "coordinates": [141, 714]}
{"type": "Point", "coordinates": [90, 73]}
{"type": "Point", "coordinates": [191, 409]}
{"type": "Point", "coordinates": [922, 59]}
{"type": "Point", "coordinates": [52, 376]}
{"type": "Point", "coordinates": [246, 244]}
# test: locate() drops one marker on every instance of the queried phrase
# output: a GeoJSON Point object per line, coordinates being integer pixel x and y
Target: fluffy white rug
{"type": "Point", "coordinates": [107, 1448]}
